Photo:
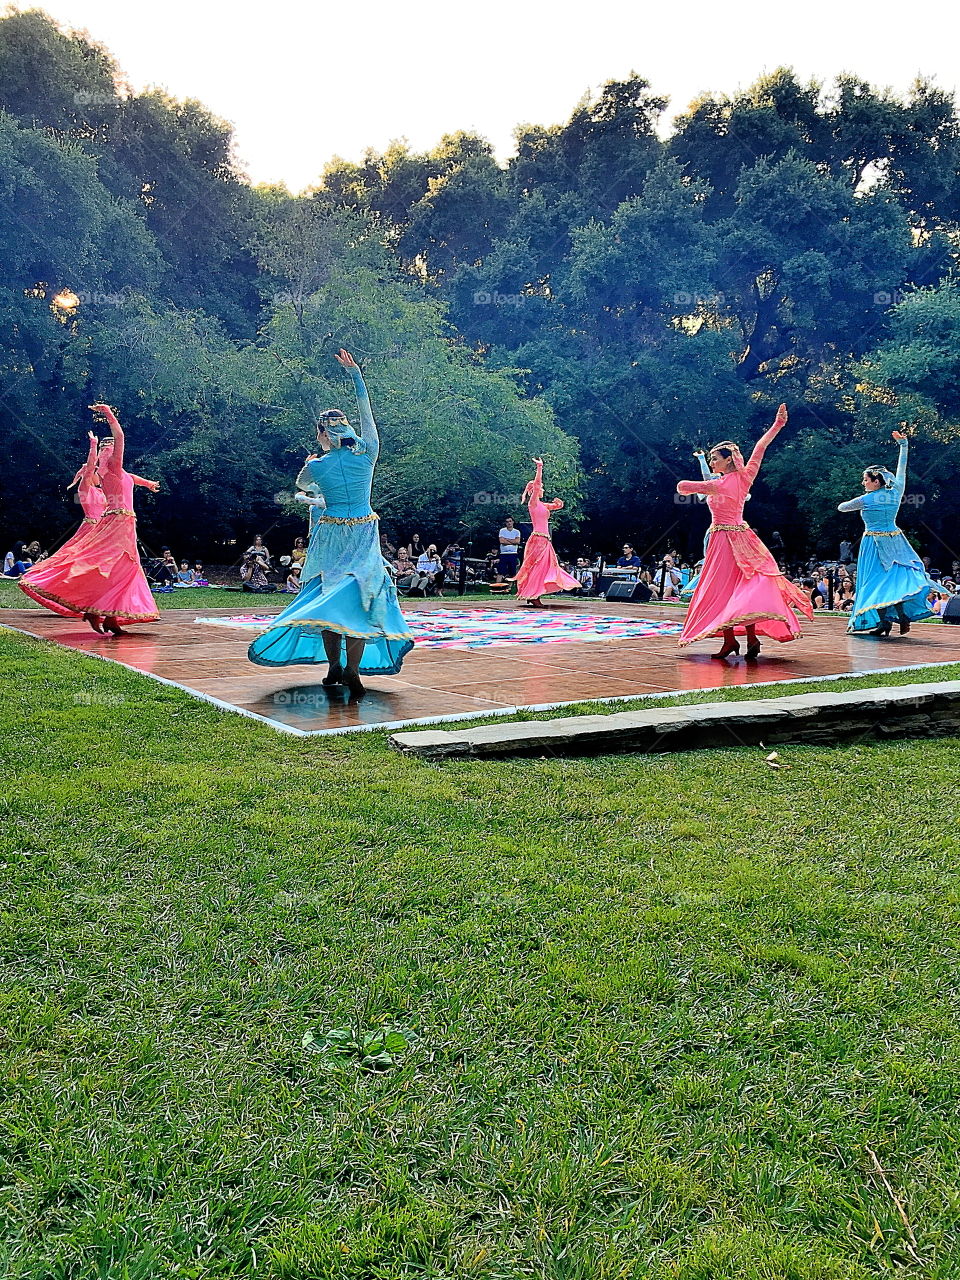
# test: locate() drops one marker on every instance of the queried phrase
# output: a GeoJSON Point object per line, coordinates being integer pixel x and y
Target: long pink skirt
{"type": "Point", "coordinates": [540, 574]}
{"type": "Point", "coordinates": [100, 574]}
{"type": "Point", "coordinates": [741, 583]}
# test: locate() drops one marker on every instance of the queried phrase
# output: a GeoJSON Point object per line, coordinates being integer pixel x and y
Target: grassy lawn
{"type": "Point", "coordinates": [200, 598]}
{"type": "Point", "coordinates": [653, 1013]}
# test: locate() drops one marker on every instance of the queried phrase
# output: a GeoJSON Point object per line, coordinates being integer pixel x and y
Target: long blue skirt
{"type": "Point", "coordinates": [880, 590]}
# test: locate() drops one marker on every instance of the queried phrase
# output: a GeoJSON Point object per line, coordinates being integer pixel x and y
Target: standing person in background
{"type": "Point", "coordinates": [509, 549]}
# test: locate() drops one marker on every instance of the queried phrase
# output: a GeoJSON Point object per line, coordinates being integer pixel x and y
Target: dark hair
{"type": "Point", "coordinates": [876, 473]}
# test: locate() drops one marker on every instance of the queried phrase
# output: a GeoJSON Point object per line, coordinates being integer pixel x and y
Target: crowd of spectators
{"type": "Point", "coordinates": [419, 568]}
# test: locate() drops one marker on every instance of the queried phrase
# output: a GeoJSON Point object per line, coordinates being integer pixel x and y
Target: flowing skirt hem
{"type": "Point", "coordinates": [69, 609]}
{"type": "Point", "coordinates": [739, 626]}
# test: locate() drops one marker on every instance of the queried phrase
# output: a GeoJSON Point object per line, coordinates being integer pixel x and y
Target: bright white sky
{"type": "Point", "coordinates": [305, 80]}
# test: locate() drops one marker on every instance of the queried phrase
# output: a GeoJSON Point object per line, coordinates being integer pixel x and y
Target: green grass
{"type": "Point", "coordinates": [200, 598]}
{"type": "Point", "coordinates": [654, 1009]}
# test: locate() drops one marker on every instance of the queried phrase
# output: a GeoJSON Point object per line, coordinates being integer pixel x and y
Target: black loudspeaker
{"type": "Point", "coordinates": [629, 591]}
{"type": "Point", "coordinates": [951, 610]}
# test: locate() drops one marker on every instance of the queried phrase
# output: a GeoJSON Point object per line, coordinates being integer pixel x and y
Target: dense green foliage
{"type": "Point", "coordinates": [607, 298]}
{"type": "Point", "coordinates": [641, 1040]}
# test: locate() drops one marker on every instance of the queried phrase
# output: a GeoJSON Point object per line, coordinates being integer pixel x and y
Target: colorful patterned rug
{"type": "Point", "coordinates": [484, 628]}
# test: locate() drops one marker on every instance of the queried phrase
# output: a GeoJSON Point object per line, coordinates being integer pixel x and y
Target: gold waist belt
{"type": "Point", "coordinates": [541, 535]}
{"type": "Point", "coordinates": [118, 511]}
{"type": "Point", "coordinates": [881, 533]}
{"type": "Point", "coordinates": [727, 528]}
{"type": "Point", "coordinates": [90, 519]}
{"type": "Point", "coordinates": [348, 519]}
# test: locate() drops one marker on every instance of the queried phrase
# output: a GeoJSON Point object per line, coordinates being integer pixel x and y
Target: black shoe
{"type": "Point", "coordinates": [753, 651]}
{"type": "Point", "coordinates": [334, 676]}
{"type": "Point", "coordinates": [727, 650]}
{"type": "Point", "coordinates": [352, 680]}
{"type": "Point", "coordinates": [882, 629]}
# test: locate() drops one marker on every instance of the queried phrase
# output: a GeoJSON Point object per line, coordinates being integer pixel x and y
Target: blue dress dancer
{"type": "Point", "coordinates": [892, 584]}
{"type": "Point", "coordinates": [349, 601]}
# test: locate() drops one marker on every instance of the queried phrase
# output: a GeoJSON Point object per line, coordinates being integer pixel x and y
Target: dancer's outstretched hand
{"type": "Point", "coordinates": [92, 435]}
{"type": "Point", "coordinates": [899, 435]}
{"type": "Point", "coordinates": [346, 359]}
{"type": "Point", "coordinates": [105, 411]}
{"type": "Point", "coordinates": [153, 486]}
{"type": "Point", "coordinates": [538, 461]}
{"type": "Point", "coordinates": [781, 419]}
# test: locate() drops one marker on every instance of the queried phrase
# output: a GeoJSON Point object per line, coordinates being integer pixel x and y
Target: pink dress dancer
{"type": "Point", "coordinates": [101, 580]}
{"type": "Point", "coordinates": [541, 574]}
{"type": "Point", "coordinates": [741, 589]}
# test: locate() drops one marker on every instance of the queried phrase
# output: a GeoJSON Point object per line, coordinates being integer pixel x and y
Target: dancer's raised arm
{"type": "Point", "coordinates": [87, 473]}
{"type": "Point", "coordinates": [760, 448]}
{"type": "Point", "coordinates": [115, 461]}
{"type": "Point", "coordinates": [900, 479]}
{"type": "Point", "coordinates": [369, 432]}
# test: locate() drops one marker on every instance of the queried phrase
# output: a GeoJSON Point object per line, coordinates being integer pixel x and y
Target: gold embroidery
{"type": "Point", "coordinates": [41, 596]}
{"type": "Point", "coordinates": [744, 618]}
{"type": "Point", "coordinates": [535, 534]}
{"type": "Point", "coordinates": [348, 519]}
{"type": "Point", "coordinates": [118, 511]}
{"type": "Point", "coordinates": [728, 528]}
{"type": "Point", "coordinates": [882, 533]}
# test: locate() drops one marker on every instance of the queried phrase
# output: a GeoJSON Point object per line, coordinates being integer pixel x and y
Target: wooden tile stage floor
{"type": "Point", "coordinates": [212, 662]}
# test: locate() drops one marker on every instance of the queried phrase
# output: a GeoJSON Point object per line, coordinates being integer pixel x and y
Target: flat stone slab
{"type": "Point", "coordinates": [908, 710]}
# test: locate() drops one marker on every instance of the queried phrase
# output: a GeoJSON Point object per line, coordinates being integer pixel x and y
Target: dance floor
{"type": "Point", "coordinates": [492, 668]}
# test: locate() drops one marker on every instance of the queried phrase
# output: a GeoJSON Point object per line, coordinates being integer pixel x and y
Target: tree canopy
{"type": "Point", "coordinates": [607, 298]}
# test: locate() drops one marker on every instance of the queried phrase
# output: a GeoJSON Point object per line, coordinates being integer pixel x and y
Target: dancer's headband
{"type": "Point", "coordinates": [734, 450]}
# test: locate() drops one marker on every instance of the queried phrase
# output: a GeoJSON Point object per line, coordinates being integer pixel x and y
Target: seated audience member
{"type": "Point", "coordinates": [34, 552]}
{"type": "Point", "coordinates": [430, 572]}
{"type": "Point", "coordinates": [667, 580]}
{"type": "Point", "coordinates": [259, 552]}
{"type": "Point", "coordinates": [199, 577]}
{"type": "Point", "coordinates": [629, 559]}
{"type": "Point", "coordinates": [584, 575]}
{"type": "Point", "coordinates": [293, 580]}
{"type": "Point", "coordinates": [253, 576]}
{"type": "Point", "coordinates": [185, 575]}
{"type": "Point", "coordinates": [16, 562]}
{"type": "Point", "coordinates": [299, 552]}
{"type": "Point", "coordinates": [403, 570]}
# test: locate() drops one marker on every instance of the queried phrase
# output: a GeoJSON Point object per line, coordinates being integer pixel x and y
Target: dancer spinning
{"type": "Point", "coordinates": [741, 589]}
{"type": "Point", "coordinates": [541, 574]}
{"type": "Point", "coordinates": [99, 578]}
{"type": "Point", "coordinates": [351, 604]}
{"type": "Point", "coordinates": [892, 584]}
